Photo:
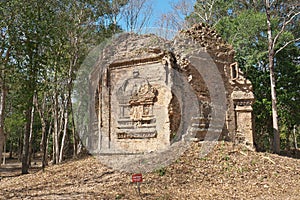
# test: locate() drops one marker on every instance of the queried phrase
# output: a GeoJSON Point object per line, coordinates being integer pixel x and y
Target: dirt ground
{"type": "Point", "coordinates": [226, 173]}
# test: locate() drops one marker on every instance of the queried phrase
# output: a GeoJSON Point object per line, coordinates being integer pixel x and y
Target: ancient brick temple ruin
{"type": "Point", "coordinates": [137, 95]}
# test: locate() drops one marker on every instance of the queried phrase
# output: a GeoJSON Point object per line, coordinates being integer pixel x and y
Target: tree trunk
{"type": "Point", "coordinates": [4, 150]}
{"type": "Point", "coordinates": [31, 135]}
{"type": "Point", "coordinates": [45, 148]}
{"type": "Point", "coordinates": [3, 98]}
{"type": "Point", "coordinates": [75, 135]}
{"type": "Point", "coordinates": [20, 146]}
{"type": "Point", "coordinates": [41, 111]}
{"type": "Point", "coordinates": [56, 131]}
{"type": "Point", "coordinates": [271, 54]}
{"type": "Point", "coordinates": [53, 148]}
{"type": "Point", "coordinates": [276, 134]}
{"type": "Point", "coordinates": [44, 131]}
{"type": "Point", "coordinates": [43, 144]}
{"type": "Point", "coordinates": [2, 138]}
{"type": "Point", "coordinates": [26, 139]}
{"type": "Point", "coordinates": [66, 115]}
{"type": "Point", "coordinates": [47, 144]}
{"type": "Point", "coordinates": [72, 65]}
{"type": "Point", "coordinates": [11, 149]}
{"type": "Point", "coordinates": [2, 115]}
{"type": "Point", "coordinates": [295, 138]}
{"type": "Point", "coordinates": [288, 136]}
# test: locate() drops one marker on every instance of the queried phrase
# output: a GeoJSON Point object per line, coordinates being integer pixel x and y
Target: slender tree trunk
{"type": "Point", "coordinates": [61, 125]}
{"type": "Point", "coordinates": [2, 115]}
{"type": "Point", "coordinates": [41, 111]}
{"type": "Point", "coordinates": [20, 146]}
{"type": "Point", "coordinates": [276, 134]}
{"type": "Point", "coordinates": [56, 130]}
{"type": "Point", "coordinates": [26, 139]}
{"type": "Point", "coordinates": [53, 148]}
{"type": "Point", "coordinates": [45, 155]}
{"type": "Point", "coordinates": [31, 135]}
{"type": "Point", "coordinates": [66, 115]}
{"type": "Point", "coordinates": [67, 106]}
{"type": "Point", "coordinates": [44, 126]}
{"type": "Point", "coordinates": [4, 158]}
{"type": "Point", "coordinates": [43, 144]}
{"type": "Point", "coordinates": [288, 136]}
{"type": "Point", "coordinates": [2, 138]}
{"type": "Point", "coordinates": [43, 135]}
{"type": "Point", "coordinates": [72, 65]}
{"type": "Point", "coordinates": [295, 138]}
{"type": "Point", "coordinates": [3, 99]}
{"type": "Point", "coordinates": [74, 134]}
{"type": "Point", "coordinates": [11, 149]}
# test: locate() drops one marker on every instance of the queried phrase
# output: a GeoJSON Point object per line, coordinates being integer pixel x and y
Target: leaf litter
{"type": "Point", "coordinates": [228, 172]}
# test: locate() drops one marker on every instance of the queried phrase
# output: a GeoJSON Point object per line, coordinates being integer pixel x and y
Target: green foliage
{"type": "Point", "coordinates": [246, 33]}
{"type": "Point", "coordinates": [47, 41]}
{"type": "Point", "coordinates": [161, 171]}
{"type": "Point", "coordinates": [120, 196]}
{"type": "Point", "coordinates": [226, 157]}
{"type": "Point", "coordinates": [14, 127]}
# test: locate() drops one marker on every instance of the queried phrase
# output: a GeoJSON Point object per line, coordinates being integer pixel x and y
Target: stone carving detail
{"type": "Point", "coordinates": [136, 99]}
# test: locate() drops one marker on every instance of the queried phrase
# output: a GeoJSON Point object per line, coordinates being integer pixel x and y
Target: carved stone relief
{"type": "Point", "coordinates": [136, 98]}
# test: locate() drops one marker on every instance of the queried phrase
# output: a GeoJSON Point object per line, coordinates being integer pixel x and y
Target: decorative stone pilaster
{"type": "Point", "coordinates": [243, 99]}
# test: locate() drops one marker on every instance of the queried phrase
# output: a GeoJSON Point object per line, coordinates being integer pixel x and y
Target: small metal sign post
{"type": "Point", "coordinates": [137, 178]}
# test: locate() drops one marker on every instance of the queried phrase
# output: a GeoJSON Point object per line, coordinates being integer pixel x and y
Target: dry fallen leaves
{"type": "Point", "coordinates": [224, 174]}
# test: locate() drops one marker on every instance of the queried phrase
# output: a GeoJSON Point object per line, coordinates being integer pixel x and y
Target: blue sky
{"type": "Point", "coordinates": [161, 6]}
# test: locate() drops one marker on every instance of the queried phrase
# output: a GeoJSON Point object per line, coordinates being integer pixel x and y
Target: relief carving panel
{"type": "Point", "coordinates": [136, 98]}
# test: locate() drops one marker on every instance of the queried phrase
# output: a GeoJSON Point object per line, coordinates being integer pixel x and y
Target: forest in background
{"type": "Point", "coordinates": [43, 44]}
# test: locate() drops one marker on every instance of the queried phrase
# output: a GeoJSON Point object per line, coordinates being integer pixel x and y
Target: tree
{"type": "Point", "coordinates": [175, 20]}
{"type": "Point", "coordinates": [136, 15]}
{"type": "Point", "coordinates": [286, 12]}
{"type": "Point", "coordinates": [2, 113]}
{"type": "Point", "coordinates": [211, 11]}
{"type": "Point", "coordinates": [288, 92]}
{"type": "Point", "coordinates": [4, 70]}
{"type": "Point", "coordinates": [114, 15]}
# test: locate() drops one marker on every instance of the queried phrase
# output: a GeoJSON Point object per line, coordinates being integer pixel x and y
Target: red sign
{"type": "Point", "coordinates": [137, 178]}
